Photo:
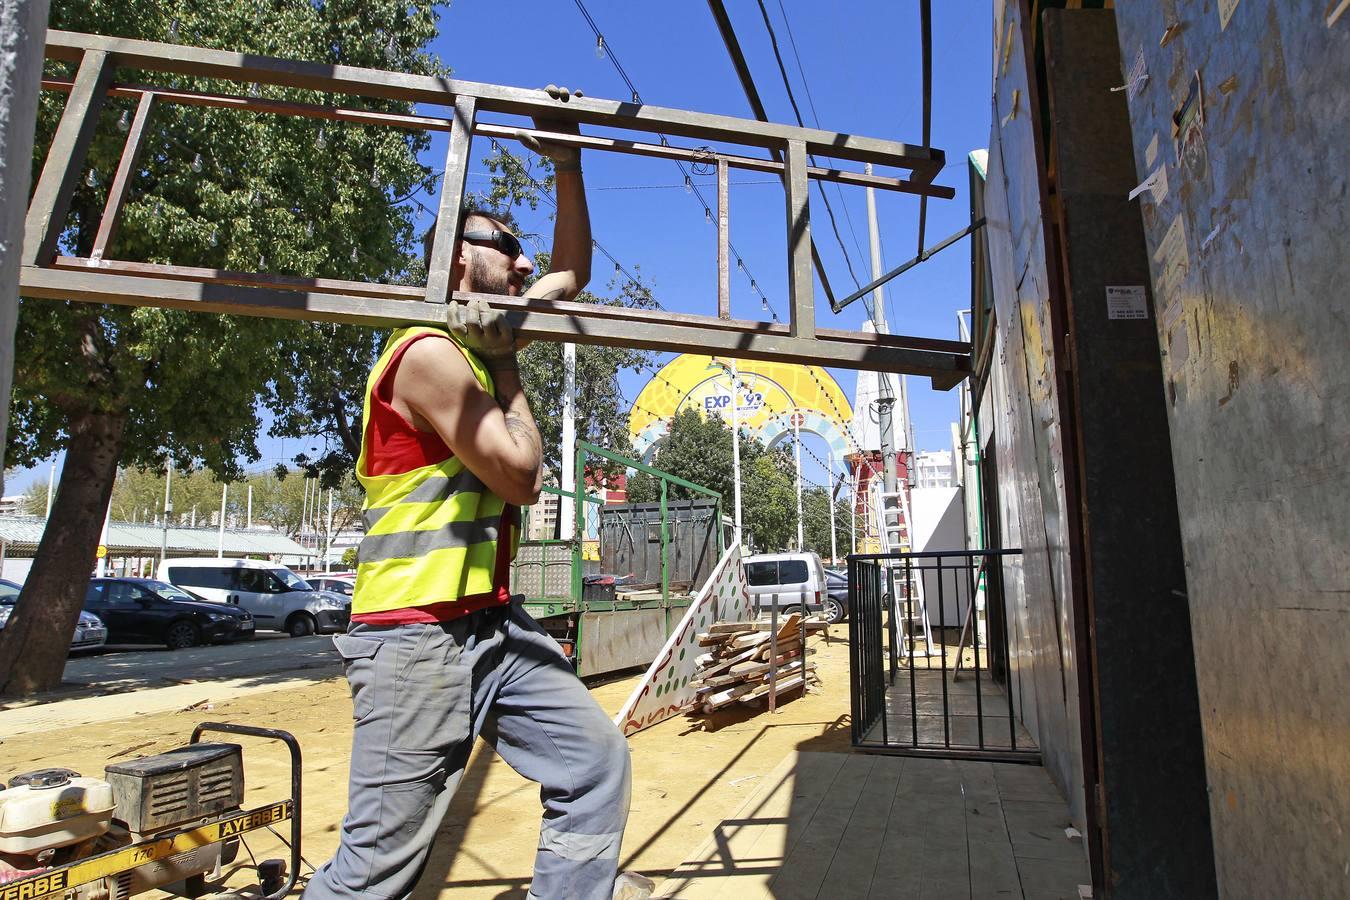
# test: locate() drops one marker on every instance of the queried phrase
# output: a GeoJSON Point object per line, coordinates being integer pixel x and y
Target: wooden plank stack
{"type": "Point", "coordinates": [737, 666]}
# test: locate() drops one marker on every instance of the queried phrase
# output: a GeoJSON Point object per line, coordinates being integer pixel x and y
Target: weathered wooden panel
{"type": "Point", "coordinates": [1249, 269]}
{"type": "Point", "coordinates": [1028, 442]}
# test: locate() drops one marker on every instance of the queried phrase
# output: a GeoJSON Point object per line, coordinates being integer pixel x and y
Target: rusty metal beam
{"type": "Point", "coordinates": [503, 132]}
{"type": "Point", "coordinates": [126, 169]}
{"type": "Point", "coordinates": [800, 249]}
{"type": "Point", "coordinates": [98, 280]}
{"type": "Point", "coordinates": [452, 198]}
{"type": "Point", "coordinates": [337, 79]}
{"type": "Point", "coordinates": [533, 320]}
{"type": "Point", "coordinates": [401, 292]}
{"type": "Point", "coordinates": [723, 241]}
{"type": "Point", "coordinates": [65, 159]}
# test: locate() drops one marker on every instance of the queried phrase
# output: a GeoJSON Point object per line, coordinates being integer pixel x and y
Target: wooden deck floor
{"type": "Point", "coordinates": [852, 825]}
{"type": "Point", "coordinates": [972, 715]}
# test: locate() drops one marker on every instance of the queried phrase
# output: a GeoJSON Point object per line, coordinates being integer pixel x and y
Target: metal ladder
{"type": "Point", "coordinates": [893, 525]}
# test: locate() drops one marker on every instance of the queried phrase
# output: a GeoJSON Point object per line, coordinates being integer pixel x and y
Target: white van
{"type": "Point", "coordinates": [278, 599]}
{"type": "Point", "coordinates": [794, 582]}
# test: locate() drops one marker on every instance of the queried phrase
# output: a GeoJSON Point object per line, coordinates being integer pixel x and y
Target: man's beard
{"type": "Point", "coordinates": [486, 280]}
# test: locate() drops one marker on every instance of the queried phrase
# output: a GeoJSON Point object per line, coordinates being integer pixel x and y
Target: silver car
{"type": "Point", "coordinates": [90, 632]}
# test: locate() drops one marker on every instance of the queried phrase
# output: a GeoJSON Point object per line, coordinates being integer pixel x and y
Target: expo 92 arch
{"type": "Point", "coordinates": [771, 394]}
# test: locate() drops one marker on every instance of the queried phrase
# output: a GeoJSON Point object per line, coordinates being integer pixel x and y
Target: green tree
{"type": "Point", "coordinates": [284, 501]}
{"type": "Point", "coordinates": [698, 449]}
{"type": "Point", "coordinates": [816, 523]}
{"type": "Point", "coordinates": [219, 189]}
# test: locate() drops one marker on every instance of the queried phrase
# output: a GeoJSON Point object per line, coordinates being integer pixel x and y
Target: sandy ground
{"type": "Point", "coordinates": [688, 773]}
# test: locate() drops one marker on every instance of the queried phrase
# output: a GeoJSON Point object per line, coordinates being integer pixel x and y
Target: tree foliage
{"type": "Point", "coordinates": [227, 190]}
{"type": "Point", "coordinates": [282, 501]}
{"type": "Point", "coordinates": [215, 188]}
{"type": "Point", "coordinates": [697, 448]}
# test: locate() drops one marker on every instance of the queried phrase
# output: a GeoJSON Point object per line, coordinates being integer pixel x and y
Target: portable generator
{"type": "Point", "coordinates": [169, 821]}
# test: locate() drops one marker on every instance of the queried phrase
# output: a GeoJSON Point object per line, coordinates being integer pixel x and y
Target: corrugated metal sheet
{"type": "Point", "coordinates": [21, 535]}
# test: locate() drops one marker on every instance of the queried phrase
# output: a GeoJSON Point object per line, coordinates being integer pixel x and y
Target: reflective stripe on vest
{"type": "Point", "coordinates": [432, 532]}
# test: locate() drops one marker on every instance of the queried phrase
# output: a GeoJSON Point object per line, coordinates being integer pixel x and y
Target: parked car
{"type": "Point", "coordinates": [90, 633]}
{"type": "Point", "coordinates": [794, 582]}
{"type": "Point", "coordinates": [335, 583]}
{"type": "Point", "coordinates": [145, 611]}
{"type": "Point", "coordinates": [278, 599]}
{"type": "Point", "coordinates": [836, 596]}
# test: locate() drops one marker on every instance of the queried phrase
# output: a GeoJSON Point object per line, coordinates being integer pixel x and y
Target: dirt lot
{"type": "Point", "coordinates": [688, 774]}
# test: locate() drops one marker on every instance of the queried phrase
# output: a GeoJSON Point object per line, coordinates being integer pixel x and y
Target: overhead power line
{"type": "Point", "coordinates": [787, 85]}
{"type": "Point", "coordinates": [543, 193]}
{"type": "Point", "coordinates": [607, 48]}
{"type": "Point", "coordinates": [815, 120]}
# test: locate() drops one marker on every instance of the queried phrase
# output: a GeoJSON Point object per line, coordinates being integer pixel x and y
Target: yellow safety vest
{"type": "Point", "coordinates": [431, 532]}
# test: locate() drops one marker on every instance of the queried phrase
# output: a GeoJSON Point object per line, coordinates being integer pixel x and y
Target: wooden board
{"type": "Point", "coordinates": [666, 689]}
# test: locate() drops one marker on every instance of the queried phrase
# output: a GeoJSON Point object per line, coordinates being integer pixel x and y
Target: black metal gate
{"type": "Point", "coordinates": [935, 620]}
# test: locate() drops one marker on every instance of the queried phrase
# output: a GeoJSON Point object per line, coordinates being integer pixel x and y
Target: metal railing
{"type": "Point", "coordinates": [937, 621]}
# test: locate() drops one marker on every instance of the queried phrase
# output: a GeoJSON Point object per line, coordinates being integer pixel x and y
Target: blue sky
{"type": "Point", "coordinates": [861, 63]}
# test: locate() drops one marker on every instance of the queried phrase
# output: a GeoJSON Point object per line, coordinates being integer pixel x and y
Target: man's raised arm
{"type": "Point", "coordinates": [570, 265]}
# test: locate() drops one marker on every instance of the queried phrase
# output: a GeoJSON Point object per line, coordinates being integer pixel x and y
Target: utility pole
{"type": "Point", "coordinates": [248, 522]}
{"type": "Point", "coordinates": [829, 498]}
{"type": "Point", "coordinates": [304, 513]}
{"type": "Point", "coordinates": [736, 447]}
{"type": "Point", "coordinates": [853, 513]}
{"type": "Point", "coordinates": [797, 446]}
{"type": "Point", "coordinates": [168, 510]}
{"type": "Point", "coordinates": [220, 535]}
{"type": "Point", "coordinates": [886, 400]}
{"type": "Point", "coordinates": [566, 510]}
{"type": "Point", "coordinates": [328, 545]}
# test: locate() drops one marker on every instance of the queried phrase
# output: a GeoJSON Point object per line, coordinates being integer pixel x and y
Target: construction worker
{"type": "Point", "coordinates": [437, 653]}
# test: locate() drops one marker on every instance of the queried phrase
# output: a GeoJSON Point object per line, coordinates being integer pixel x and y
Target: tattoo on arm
{"type": "Point", "coordinates": [524, 434]}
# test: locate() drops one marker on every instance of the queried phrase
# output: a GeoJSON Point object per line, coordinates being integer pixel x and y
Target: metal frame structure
{"type": "Point", "coordinates": [99, 279]}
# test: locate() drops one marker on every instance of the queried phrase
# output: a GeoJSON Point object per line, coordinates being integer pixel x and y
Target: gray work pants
{"type": "Point", "coordinates": [420, 695]}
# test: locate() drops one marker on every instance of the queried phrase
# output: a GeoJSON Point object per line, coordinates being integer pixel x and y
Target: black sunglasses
{"type": "Point", "coordinates": [504, 241]}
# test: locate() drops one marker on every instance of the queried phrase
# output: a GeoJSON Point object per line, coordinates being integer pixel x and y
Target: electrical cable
{"type": "Point", "coordinates": [815, 119]}
{"type": "Point", "coordinates": [543, 192]}
{"type": "Point", "coordinates": [688, 182]}
{"type": "Point", "coordinates": [782, 71]}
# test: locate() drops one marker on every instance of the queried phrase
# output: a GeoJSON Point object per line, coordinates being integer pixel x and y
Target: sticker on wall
{"type": "Point", "coordinates": [1134, 82]}
{"type": "Point", "coordinates": [1151, 151]}
{"type": "Point", "coordinates": [666, 689]}
{"type": "Point", "coordinates": [1188, 129]}
{"type": "Point", "coordinates": [1172, 261]}
{"type": "Point", "coordinates": [1226, 8]}
{"type": "Point", "coordinates": [1155, 184]}
{"type": "Point", "coordinates": [1126, 302]}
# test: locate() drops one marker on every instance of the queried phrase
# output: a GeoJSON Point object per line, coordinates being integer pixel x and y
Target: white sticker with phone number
{"type": "Point", "coordinates": [1126, 302]}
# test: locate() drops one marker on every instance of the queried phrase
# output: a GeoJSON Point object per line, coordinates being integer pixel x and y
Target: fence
{"type": "Point", "coordinates": [953, 697]}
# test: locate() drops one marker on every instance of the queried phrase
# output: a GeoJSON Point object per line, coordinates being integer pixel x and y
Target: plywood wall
{"type": "Point", "coordinates": [1247, 222]}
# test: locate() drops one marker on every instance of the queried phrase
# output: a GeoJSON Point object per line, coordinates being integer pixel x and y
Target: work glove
{"type": "Point", "coordinates": [565, 158]}
{"type": "Point", "coordinates": [483, 330]}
